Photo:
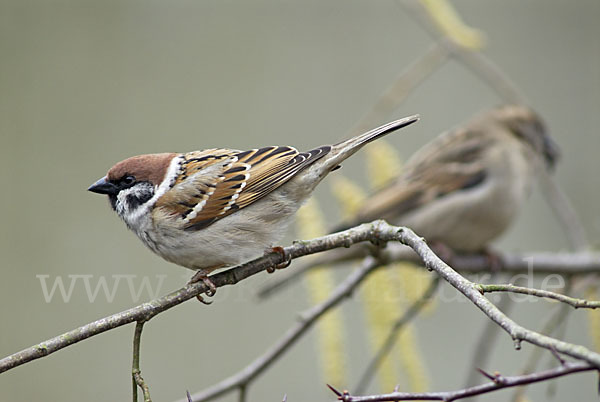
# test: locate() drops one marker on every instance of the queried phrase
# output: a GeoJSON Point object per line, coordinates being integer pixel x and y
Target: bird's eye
{"type": "Point", "coordinates": [128, 180]}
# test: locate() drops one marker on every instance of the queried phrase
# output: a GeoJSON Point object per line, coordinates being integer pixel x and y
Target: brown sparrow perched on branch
{"type": "Point", "coordinates": [465, 187]}
{"type": "Point", "coordinates": [219, 207]}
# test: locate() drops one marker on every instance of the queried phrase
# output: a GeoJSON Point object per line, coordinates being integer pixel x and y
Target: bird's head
{"type": "Point", "coordinates": [529, 127]}
{"type": "Point", "coordinates": [134, 184]}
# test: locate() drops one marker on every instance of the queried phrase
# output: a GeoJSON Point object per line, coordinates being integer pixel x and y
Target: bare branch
{"type": "Point", "coordinates": [555, 322]}
{"type": "Point", "coordinates": [148, 310]}
{"type": "Point", "coordinates": [577, 303]}
{"type": "Point", "coordinates": [136, 374]}
{"type": "Point", "coordinates": [498, 81]}
{"type": "Point", "coordinates": [564, 211]}
{"type": "Point", "coordinates": [579, 263]}
{"type": "Point", "coordinates": [470, 290]}
{"type": "Point", "coordinates": [491, 74]}
{"type": "Point", "coordinates": [308, 318]}
{"type": "Point", "coordinates": [406, 82]}
{"type": "Point", "coordinates": [497, 382]}
{"type": "Point", "coordinates": [485, 344]}
{"type": "Point", "coordinates": [377, 232]}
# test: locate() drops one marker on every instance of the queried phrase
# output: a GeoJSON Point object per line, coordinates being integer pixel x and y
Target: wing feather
{"type": "Point", "coordinates": [450, 163]}
{"type": "Point", "coordinates": [216, 182]}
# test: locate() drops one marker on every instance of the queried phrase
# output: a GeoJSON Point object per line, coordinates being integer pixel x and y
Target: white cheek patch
{"type": "Point", "coordinates": [165, 185]}
{"type": "Point", "coordinates": [130, 213]}
{"type": "Point", "coordinates": [169, 180]}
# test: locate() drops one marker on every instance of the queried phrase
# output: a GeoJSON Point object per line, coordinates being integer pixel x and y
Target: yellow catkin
{"type": "Point", "coordinates": [380, 309]}
{"type": "Point", "coordinates": [387, 293]}
{"type": "Point", "coordinates": [593, 319]}
{"type": "Point", "coordinates": [383, 164]}
{"type": "Point", "coordinates": [380, 302]}
{"type": "Point", "coordinates": [320, 282]}
{"type": "Point", "coordinates": [449, 22]}
{"type": "Point", "coordinates": [413, 282]}
{"type": "Point", "coordinates": [391, 291]}
{"type": "Point", "coordinates": [350, 196]}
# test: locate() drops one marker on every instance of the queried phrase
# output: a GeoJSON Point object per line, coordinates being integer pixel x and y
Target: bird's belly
{"type": "Point", "coordinates": [234, 239]}
{"type": "Point", "coordinates": [469, 220]}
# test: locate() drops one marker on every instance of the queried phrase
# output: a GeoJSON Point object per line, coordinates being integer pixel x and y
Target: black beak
{"type": "Point", "coordinates": [103, 186]}
{"type": "Point", "coordinates": [551, 151]}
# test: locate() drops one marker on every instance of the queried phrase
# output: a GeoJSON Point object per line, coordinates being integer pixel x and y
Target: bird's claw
{"type": "Point", "coordinates": [287, 259]}
{"type": "Point", "coordinates": [212, 289]}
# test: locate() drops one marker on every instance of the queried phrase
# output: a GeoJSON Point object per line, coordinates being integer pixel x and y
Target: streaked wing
{"type": "Point", "coordinates": [216, 183]}
{"type": "Point", "coordinates": [452, 162]}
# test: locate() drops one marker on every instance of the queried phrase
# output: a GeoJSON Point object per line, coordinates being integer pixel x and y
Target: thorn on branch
{"type": "Point", "coordinates": [335, 391]}
{"type": "Point", "coordinates": [486, 374]}
{"type": "Point", "coordinates": [343, 396]}
{"type": "Point", "coordinates": [496, 377]}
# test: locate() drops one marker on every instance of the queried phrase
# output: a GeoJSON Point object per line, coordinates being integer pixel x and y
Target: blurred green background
{"type": "Point", "coordinates": [84, 84]}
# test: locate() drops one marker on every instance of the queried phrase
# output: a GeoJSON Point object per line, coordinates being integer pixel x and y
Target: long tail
{"type": "Point", "coordinates": [345, 149]}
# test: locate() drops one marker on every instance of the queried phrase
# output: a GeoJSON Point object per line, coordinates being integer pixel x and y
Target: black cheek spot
{"type": "Point", "coordinates": [138, 199]}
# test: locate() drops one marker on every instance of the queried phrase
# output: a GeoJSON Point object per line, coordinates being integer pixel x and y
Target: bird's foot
{"type": "Point", "coordinates": [287, 259]}
{"type": "Point", "coordinates": [202, 275]}
{"type": "Point", "coordinates": [494, 260]}
{"type": "Point", "coordinates": [445, 253]}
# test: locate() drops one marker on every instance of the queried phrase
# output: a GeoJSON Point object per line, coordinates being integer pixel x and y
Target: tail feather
{"type": "Point", "coordinates": [345, 149]}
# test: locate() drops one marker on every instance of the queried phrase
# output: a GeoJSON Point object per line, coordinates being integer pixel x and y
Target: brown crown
{"type": "Point", "coordinates": [151, 168]}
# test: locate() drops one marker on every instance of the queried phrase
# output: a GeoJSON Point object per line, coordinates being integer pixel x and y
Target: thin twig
{"type": "Point", "coordinates": [308, 318]}
{"type": "Point", "coordinates": [377, 232]}
{"type": "Point", "coordinates": [299, 268]}
{"type": "Point", "coordinates": [557, 320]}
{"type": "Point", "coordinates": [136, 374]}
{"type": "Point", "coordinates": [243, 393]}
{"type": "Point", "coordinates": [497, 382]}
{"type": "Point", "coordinates": [471, 292]}
{"type": "Point", "coordinates": [408, 80]}
{"type": "Point", "coordinates": [571, 301]}
{"type": "Point", "coordinates": [148, 310]}
{"type": "Point", "coordinates": [497, 80]}
{"type": "Point", "coordinates": [486, 341]}
{"type": "Point", "coordinates": [479, 64]}
{"type": "Point", "coordinates": [579, 263]}
{"type": "Point", "coordinates": [392, 337]}
{"type": "Point", "coordinates": [564, 211]}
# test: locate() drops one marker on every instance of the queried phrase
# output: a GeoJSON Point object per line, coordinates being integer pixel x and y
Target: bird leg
{"type": "Point", "coordinates": [202, 275]}
{"type": "Point", "coordinates": [445, 253]}
{"type": "Point", "coordinates": [494, 260]}
{"type": "Point", "coordinates": [287, 259]}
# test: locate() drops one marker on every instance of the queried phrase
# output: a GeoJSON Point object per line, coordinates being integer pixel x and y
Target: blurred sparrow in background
{"type": "Point", "coordinates": [215, 208]}
{"type": "Point", "coordinates": [465, 187]}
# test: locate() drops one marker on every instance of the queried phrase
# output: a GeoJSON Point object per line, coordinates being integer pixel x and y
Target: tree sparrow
{"type": "Point", "coordinates": [216, 208]}
{"type": "Point", "coordinates": [465, 187]}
